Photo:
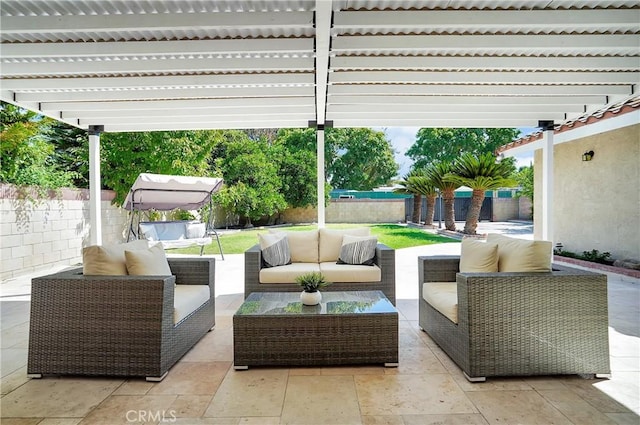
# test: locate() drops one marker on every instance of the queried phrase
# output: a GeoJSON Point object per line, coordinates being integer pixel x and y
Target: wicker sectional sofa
{"type": "Point", "coordinates": [518, 324]}
{"type": "Point", "coordinates": [322, 248]}
{"type": "Point", "coordinates": [117, 325]}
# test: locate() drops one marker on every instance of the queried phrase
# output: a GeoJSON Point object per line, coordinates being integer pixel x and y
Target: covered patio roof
{"type": "Point", "coordinates": [166, 65]}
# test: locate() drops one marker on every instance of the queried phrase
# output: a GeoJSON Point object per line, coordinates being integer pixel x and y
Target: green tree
{"type": "Point", "coordinates": [524, 177]}
{"type": "Point", "coordinates": [125, 155]}
{"type": "Point", "coordinates": [436, 172]}
{"type": "Point", "coordinates": [71, 150]}
{"type": "Point", "coordinates": [359, 158]}
{"type": "Point", "coordinates": [480, 173]}
{"type": "Point", "coordinates": [26, 157]}
{"type": "Point", "coordinates": [252, 184]}
{"type": "Point", "coordinates": [425, 187]}
{"type": "Point", "coordinates": [406, 186]}
{"type": "Point", "coordinates": [447, 144]}
{"type": "Point", "coordinates": [294, 150]}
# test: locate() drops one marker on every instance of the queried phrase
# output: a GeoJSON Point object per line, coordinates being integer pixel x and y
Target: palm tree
{"type": "Point", "coordinates": [436, 173]}
{"type": "Point", "coordinates": [422, 185]}
{"type": "Point", "coordinates": [406, 186]}
{"type": "Point", "coordinates": [480, 173]}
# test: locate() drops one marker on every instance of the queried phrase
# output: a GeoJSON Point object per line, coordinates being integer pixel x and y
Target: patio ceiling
{"type": "Point", "coordinates": [170, 64]}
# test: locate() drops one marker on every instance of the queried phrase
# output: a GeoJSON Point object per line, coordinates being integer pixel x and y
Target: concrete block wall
{"type": "Point", "coordinates": [38, 232]}
{"type": "Point", "coordinates": [351, 211]}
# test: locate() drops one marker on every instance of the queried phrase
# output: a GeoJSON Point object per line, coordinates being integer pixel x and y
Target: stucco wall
{"type": "Point", "coordinates": [596, 204]}
{"type": "Point", "coordinates": [39, 232]}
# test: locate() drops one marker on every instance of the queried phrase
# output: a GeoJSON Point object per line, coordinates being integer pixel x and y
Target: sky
{"type": "Point", "coordinates": [403, 137]}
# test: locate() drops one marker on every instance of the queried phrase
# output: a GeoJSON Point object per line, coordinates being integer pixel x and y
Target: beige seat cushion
{"type": "Point", "coordinates": [303, 245]}
{"type": "Point", "coordinates": [478, 257]}
{"type": "Point", "coordinates": [147, 262]}
{"type": "Point", "coordinates": [350, 273]}
{"type": "Point", "coordinates": [521, 255]}
{"type": "Point", "coordinates": [288, 273]}
{"type": "Point", "coordinates": [331, 241]}
{"type": "Point", "coordinates": [443, 296]}
{"type": "Point", "coordinates": [108, 260]}
{"type": "Point", "coordinates": [187, 299]}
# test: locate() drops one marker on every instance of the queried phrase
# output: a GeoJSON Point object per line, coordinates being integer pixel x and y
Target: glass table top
{"type": "Point", "coordinates": [333, 303]}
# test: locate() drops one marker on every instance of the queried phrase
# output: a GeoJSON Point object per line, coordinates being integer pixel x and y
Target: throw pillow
{"type": "Point", "coordinates": [275, 249]}
{"type": "Point", "coordinates": [521, 255]}
{"type": "Point", "coordinates": [196, 230]}
{"type": "Point", "coordinates": [478, 257]}
{"type": "Point", "coordinates": [358, 250]}
{"type": "Point", "coordinates": [331, 241]}
{"type": "Point", "coordinates": [108, 260]}
{"type": "Point", "coordinates": [303, 245]}
{"type": "Point", "coordinates": [148, 262]}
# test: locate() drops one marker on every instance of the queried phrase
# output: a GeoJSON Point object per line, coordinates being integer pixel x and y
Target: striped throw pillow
{"type": "Point", "coordinates": [358, 250]}
{"type": "Point", "coordinates": [275, 249]}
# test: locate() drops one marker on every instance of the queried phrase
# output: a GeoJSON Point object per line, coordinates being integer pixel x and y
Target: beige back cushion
{"type": "Point", "coordinates": [478, 257]}
{"type": "Point", "coordinates": [303, 245]}
{"type": "Point", "coordinates": [521, 255]}
{"type": "Point", "coordinates": [331, 241]}
{"type": "Point", "coordinates": [108, 260]}
{"type": "Point", "coordinates": [148, 262]}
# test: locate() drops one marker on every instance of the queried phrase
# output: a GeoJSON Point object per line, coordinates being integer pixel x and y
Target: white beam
{"type": "Point", "coordinates": [169, 65]}
{"type": "Point", "coordinates": [496, 122]}
{"type": "Point", "coordinates": [164, 93]}
{"type": "Point", "coordinates": [488, 77]}
{"type": "Point", "coordinates": [465, 100]}
{"type": "Point", "coordinates": [323, 39]}
{"type": "Point", "coordinates": [183, 81]}
{"type": "Point", "coordinates": [493, 20]}
{"type": "Point", "coordinates": [221, 119]}
{"type": "Point", "coordinates": [156, 22]}
{"type": "Point", "coordinates": [483, 89]}
{"type": "Point", "coordinates": [477, 114]}
{"type": "Point", "coordinates": [505, 109]}
{"type": "Point", "coordinates": [492, 44]}
{"type": "Point", "coordinates": [177, 104]}
{"type": "Point", "coordinates": [184, 114]}
{"type": "Point", "coordinates": [485, 62]}
{"type": "Point", "coordinates": [282, 122]}
{"type": "Point", "coordinates": [289, 46]}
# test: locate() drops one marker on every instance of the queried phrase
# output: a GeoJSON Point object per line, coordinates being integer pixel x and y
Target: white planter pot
{"type": "Point", "coordinates": [310, 298]}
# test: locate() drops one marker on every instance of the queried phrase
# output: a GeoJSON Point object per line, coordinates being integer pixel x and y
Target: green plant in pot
{"type": "Point", "coordinates": [311, 284]}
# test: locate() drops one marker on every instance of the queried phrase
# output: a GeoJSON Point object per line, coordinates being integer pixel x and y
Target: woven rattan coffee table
{"type": "Point", "coordinates": [275, 329]}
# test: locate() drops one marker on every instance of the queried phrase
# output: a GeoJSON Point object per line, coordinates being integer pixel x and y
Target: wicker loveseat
{"type": "Point", "coordinates": [117, 325]}
{"type": "Point", "coordinates": [518, 324]}
{"type": "Point", "coordinates": [322, 248]}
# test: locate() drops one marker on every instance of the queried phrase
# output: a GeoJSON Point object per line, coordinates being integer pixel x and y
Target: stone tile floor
{"type": "Point", "coordinates": [427, 387]}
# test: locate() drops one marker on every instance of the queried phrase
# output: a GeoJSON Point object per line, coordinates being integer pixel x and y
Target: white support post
{"type": "Point", "coordinates": [320, 171]}
{"type": "Point", "coordinates": [95, 204]}
{"type": "Point", "coordinates": [547, 185]}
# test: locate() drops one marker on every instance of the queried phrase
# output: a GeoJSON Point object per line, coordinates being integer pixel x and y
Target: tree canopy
{"type": "Point", "coordinates": [447, 144]}
{"type": "Point", "coordinates": [26, 156]}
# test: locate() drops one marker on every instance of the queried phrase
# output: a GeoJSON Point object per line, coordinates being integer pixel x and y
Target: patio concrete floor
{"type": "Point", "coordinates": [427, 387]}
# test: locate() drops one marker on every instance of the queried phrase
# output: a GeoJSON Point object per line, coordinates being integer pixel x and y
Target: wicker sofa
{"type": "Point", "coordinates": [355, 275]}
{"type": "Point", "coordinates": [116, 325]}
{"type": "Point", "coordinates": [518, 324]}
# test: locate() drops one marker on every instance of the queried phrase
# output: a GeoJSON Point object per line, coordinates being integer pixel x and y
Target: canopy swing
{"type": "Point", "coordinates": [163, 192]}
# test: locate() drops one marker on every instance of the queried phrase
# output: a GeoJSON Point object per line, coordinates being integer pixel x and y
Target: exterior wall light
{"type": "Point", "coordinates": [587, 156]}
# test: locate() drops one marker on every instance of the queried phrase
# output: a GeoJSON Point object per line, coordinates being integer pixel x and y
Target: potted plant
{"type": "Point", "coordinates": [311, 284]}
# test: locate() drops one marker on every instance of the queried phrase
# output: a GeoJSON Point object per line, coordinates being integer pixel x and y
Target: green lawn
{"type": "Point", "coordinates": [393, 235]}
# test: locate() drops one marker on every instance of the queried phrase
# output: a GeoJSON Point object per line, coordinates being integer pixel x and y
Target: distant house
{"type": "Point", "coordinates": [595, 191]}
